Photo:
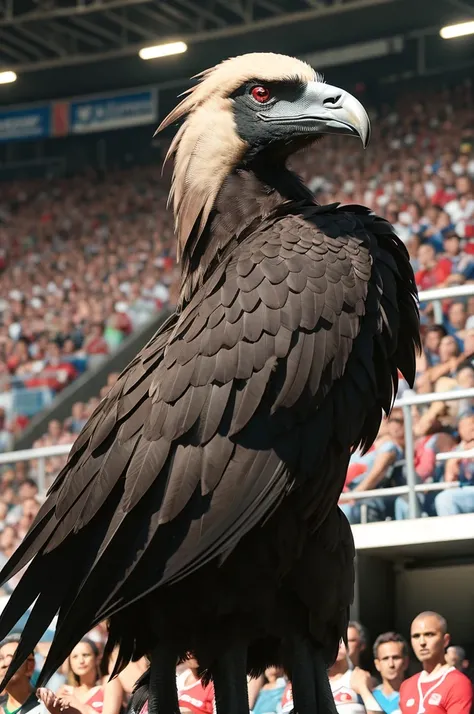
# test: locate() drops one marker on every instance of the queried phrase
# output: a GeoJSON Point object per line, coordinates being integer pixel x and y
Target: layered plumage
{"type": "Point", "coordinates": [198, 508]}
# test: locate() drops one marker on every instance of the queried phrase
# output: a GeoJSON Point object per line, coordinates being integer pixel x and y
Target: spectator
{"type": "Point", "coordinates": [438, 687]}
{"type": "Point", "coordinates": [27, 492]}
{"type": "Point", "coordinates": [391, 661]}
{"type": "Point", "coordinates": [356, 641]}
{"type": "Point", "coordinates": [3, 514]}
{"type": "Point", "coordinates": [459, 500]}
{"type": "Point", "coordinates": [377, 466]}
{"type": "Point", "coordinates": [193, 695]}
{"type": "Point", "coordinates": [286, 704]}
{"type": "Point", "coordinates": [432, 272]}
{"type": "Point", "coordinates": [271, 692]}
{"type": "Point", "coordinates": [78, 418]}
{"type": "Point", "coordinates": [5, 435]}
{"type": "Point", "coordinates": [468, 348]}
{"type": "Point", "coordinates": [42, 649]}
{"type": "Point", "coordinates": [431, 440]}
{"type": "Point", "coordinates": [462, 264]}
{"type": "Point", "coordinates": [450, 358]}
{"type": "Point", "coordinates": [84, 692]}
{"type": "Point", "coordinates": [456, 322]}
{"type": "Point", "coordinates": [117, 691]}
{"type": "Point", "coordinates": [56, 373]}
{"type": "Point", "coordinates": [456, 657]}
{"type": "Point", "coordinates": [254, 685]}
{"type": "Point", "coordinates": [8, 542]}
{"type": "Point", "coordinates": [351, 688]}
{"type": "Point", "coordinates": [96, 346]}
{"type": "Point", "coordinates": [30, 508]}
{"type": "Point", "coordinates": [465, 380]}
{"type": "Point", "coordinates": [431, 342]}
{"type": "Point", "coordinates": [21, 697]}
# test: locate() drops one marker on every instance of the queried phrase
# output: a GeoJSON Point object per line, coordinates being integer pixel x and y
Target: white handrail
{"type": "Point", "coordinates": [396, 491]}
{"type": "Point", "coordinates": [438, 294]}
{"type": "Point", "coordinates": [417, 399]}
{"type": "Point", "coordinates": [446, 293]}
{"type": "Point", "coordinates": [406, 404]}
{"type": "Point", "coordinates": [411, 399]}
{"type": "Point", "coordinates": [45, 452]}
{"type": "Point", "coordinates": [412, 487]}
{"type": "Point", "coordinates": [41, 452]}
{"type": "Point", "coordinates": [464, 454]}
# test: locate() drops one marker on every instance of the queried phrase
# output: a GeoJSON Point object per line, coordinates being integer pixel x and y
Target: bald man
{"type": "Point", "coordinates": [438, 688]}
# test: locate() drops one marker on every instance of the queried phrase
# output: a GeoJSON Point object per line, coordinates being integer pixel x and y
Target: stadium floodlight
{"type": "Point", "coordinates": [165, 50]}
{"type": "Point", "coordinates": [459, 30]}
{"type": "Point", "coordinates": [7, 77]}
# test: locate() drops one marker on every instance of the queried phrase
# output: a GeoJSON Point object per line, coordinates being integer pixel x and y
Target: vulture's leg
{"type": "Point", "coordinates": [311, 691]}
{"type": "Point", "coordinates": [303, 679]}
{"type": "Point", "coordinates": [230, 681]}
{"type": "Point", "coordinates": [324, 694]}
{"type": "Point", "coordinates": [163, 697]}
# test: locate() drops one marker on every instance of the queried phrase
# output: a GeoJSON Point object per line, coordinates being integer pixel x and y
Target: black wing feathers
{"type": "Point", "coordinates": [301, 328]}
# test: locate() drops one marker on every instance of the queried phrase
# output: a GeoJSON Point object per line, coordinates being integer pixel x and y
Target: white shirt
{"type": "Point", "coordinates": [345, 698]}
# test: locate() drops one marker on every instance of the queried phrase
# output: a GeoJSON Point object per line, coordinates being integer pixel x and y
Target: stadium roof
{"type": "Point", "coordinates": [66, 47]}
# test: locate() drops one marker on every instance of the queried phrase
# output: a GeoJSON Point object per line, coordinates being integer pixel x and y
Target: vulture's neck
{"type": "Point", "coordinates": [247, 196]}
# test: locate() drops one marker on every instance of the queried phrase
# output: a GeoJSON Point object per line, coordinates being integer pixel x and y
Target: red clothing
{"type": "Point", "coordinates": [426, 279]}
{"type": "Point", "coordinates": [96, 701]}
{"type": "Point", "coordinates": [97, 346]}
{"type": "Point", "coordinates": [195, 697]}
{"type": "Point", "coordinates": [287, 699]}
{"type": "Point", "coordinates": [450, 693]}
{"type": "Point", "coordinates": [123, 323]}
{"type": "Point", "coordinates": [53, 376]}
{"type": "Point", "coordinates": [353, 471]}
{"type": "Point", "coordinates": [441, 197]}
{"type": "Point", "coordinates": [425, 456]}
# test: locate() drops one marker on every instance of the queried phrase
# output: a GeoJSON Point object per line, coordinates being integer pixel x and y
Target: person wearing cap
{"type": "Point", "coordinates": [453, 501]}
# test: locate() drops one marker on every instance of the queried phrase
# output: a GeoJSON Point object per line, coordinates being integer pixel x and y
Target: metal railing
{"type": "Point", "coordinates": [437, 295]}
{"type": "Point", "coordinates": [412, 487]}
{"type": "Point", "coordinates": [406, 403]}
{"type": "Point", "coordinates": [40, 455]}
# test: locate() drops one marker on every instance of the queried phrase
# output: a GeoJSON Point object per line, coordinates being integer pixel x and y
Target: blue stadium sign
{"type": "Point", "coordinates": [23, 124]}
{"type": "Point", "coordinates": [113, 112]}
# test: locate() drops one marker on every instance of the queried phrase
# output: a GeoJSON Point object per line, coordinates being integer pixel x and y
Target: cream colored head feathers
{"type": "Point", "coordinates": [207, 146]}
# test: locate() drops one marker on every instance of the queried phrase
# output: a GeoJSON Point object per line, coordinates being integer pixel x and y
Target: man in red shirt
{"type": "Point", "coordinates": [438, 688]}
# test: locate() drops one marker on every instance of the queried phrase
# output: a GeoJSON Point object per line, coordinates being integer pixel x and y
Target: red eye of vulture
{"type": "Point", "coordinates": [198, 509]}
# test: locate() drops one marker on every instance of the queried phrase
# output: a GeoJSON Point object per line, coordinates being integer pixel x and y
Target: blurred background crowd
{"type": "Point", "coordinates": [87, 260]}
{"type": "Point", "coordinates": [84, 261]}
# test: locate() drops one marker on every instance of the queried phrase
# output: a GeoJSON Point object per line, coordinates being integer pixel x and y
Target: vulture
{"type": "Point", "coordinates": [197, 512]}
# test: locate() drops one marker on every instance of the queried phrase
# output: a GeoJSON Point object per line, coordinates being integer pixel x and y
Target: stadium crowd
{"type": "Point", "coordinates": [362, 681]}
{"type": "Point", "coordinates": [86, 260]}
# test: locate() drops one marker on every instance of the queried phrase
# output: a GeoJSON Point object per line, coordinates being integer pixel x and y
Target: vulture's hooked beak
{"type": "Point", "coordinates": [322, 109]}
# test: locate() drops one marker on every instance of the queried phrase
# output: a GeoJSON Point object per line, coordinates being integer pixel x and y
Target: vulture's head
{"type": "Point", "coordinates": [243, 110]}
